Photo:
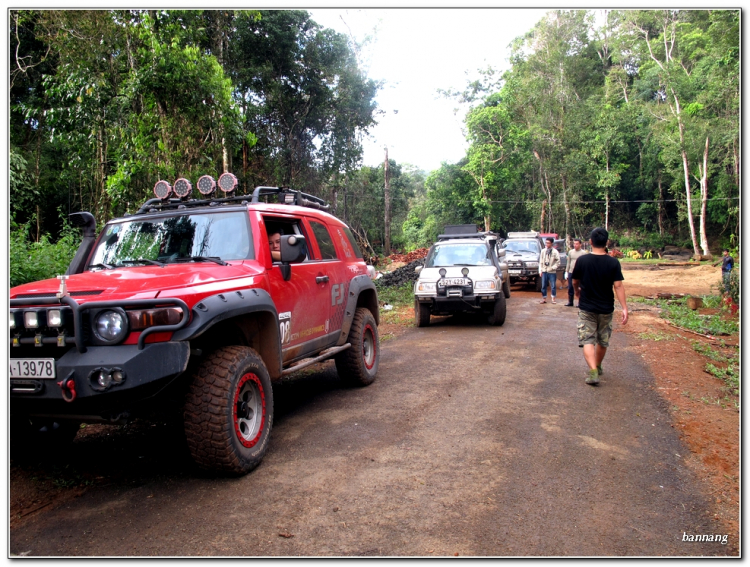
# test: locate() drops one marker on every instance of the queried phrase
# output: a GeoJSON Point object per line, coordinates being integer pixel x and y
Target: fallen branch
{"type": "Point", "coordinates": [689, 331]}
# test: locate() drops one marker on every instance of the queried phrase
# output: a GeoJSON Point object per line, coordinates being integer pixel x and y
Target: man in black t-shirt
{"type": "Point", "coordinates": [597, 277]}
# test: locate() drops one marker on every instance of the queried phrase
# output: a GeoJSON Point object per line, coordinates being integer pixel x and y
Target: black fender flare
{"type": "Point", "coordinates": [230, 304]}
{"type": "Point", "coordinates": [357, 286]}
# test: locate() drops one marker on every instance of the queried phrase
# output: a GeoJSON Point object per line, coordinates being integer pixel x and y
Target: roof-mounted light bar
{"type": "Point", "coordinates": [162, 189]}
{"type": "Point", "coordinates": [182, 188]}
{"type": "Point", "coordinates": [206, 185]}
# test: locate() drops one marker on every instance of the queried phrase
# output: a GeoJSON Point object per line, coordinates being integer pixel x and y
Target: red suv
{"type": "Point", "coordinates": [184, 300]}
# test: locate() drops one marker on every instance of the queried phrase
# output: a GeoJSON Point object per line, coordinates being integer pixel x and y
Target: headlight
{"type": "Point", "coordinates": [488, 284]}
{"type": "Point", "coordinates": [110, 326]}
{"type": "Point", "coordinates": [532, 264]}
{"type": "Point", "coordinates": [54, 318]}
{"type": "Point", "coordinates": [140, 319]}
{"type": "Point", "coordinates": [426, 286]}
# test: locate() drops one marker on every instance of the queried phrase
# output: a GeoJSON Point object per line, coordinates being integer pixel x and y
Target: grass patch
{"type": "Point", "coordinates": [728, 370]}
{"type": "Point", "coordinates": [682, 316]}
{"type": "Point", "coordinates": [397, 296]}
{"type": "Point", "coordinates": [656, 336]}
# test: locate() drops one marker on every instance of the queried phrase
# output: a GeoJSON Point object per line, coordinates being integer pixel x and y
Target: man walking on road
{"type": "Point", "coordinates": [549, 260]}
{"type": "Point", "coordinates": [594, 277]}
{"type": "Point", "coordinates": [573, 255]}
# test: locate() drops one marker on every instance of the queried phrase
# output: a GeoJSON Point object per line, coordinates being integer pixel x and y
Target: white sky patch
{"type": "Point", "coordinates": [416, 52]}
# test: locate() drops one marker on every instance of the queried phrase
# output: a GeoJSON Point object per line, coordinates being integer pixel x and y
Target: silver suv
{"type": "Point", "coordinates": [465, 271]}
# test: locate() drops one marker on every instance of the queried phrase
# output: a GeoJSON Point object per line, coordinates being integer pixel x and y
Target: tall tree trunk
{"type": "Point", "coordinates": [704, 202]}
{"type": "Point", "coordinates": [567, 211]}
{"type": "Point", "coordinates": [387, 232]}
{"type": "Point", "coordinates": [606, 210]}
{"type": "Point", "coordinates": [686, 169]}
{"type": "Point", "coordinates": [660, 216]}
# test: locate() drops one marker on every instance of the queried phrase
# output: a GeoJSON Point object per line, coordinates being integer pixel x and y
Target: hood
{"type": "Point", "coordinates": [523, 256]}
{"type": "Point", "coordinates": [138, 282]}
{"type": "Point", "coordinates": [475, 273]}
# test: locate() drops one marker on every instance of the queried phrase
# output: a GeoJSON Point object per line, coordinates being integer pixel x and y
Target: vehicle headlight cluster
{"type": "Point", "coordinates": [532, 264]}
{"type": "Point", "coordinates": [486, 284]}
{"type": "Point", "coordinates": [426, 286]}
{"type": "Point", "coordinates": [110, 325]}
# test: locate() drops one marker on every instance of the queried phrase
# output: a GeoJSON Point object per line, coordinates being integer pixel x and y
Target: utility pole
{"type": "Point", "coordinates": [387, 250]}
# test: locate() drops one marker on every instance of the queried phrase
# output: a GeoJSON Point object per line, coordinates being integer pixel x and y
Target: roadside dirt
{"type": "Point", "coordinates": [390, 470]}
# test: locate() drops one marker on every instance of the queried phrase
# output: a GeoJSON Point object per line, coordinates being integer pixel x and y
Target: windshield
{"type": "Point", "coordinates": [522, 246]}
{"type": "Point", "coordinates": [463, 254]}
{"type": "Point", "coordinates": [223, 235]}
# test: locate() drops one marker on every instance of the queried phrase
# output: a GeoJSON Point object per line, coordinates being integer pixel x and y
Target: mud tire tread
{"type": "Point", "coordinates": [350, 363]}
{"type": "Point", "coordinates": [208, 418]}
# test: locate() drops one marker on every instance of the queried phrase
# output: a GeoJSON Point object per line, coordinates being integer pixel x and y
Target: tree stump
{"type": "Point", "coordinates": [695, 302]}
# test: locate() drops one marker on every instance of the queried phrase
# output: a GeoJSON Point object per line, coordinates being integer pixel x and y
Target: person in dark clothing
{"type": "Point", "coordinates": [597, 277]}
{"type": "Point", "coordinates": [727, 264]}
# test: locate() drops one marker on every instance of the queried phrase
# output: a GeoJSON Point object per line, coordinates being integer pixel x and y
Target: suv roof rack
{"type": "Point", "coordinates": [528, 234]}
{"type": "Point", "coordinates": [286, 196]}
{"type": "Point", "coordinates": [489, 235]}
{"type": "Point", "coordinates": [289, 196]}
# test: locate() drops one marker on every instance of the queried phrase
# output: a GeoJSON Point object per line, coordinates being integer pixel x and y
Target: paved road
{"type": "Point", "coordinates": [474, 440]}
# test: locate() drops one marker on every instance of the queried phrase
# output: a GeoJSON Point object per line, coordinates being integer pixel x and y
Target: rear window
{"type": "Point", "coordinates": [325, 243]}
{"type": "Point", "coordinates": [352, 241]}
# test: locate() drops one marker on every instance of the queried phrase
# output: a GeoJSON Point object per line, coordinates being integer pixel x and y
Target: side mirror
{"type": "Point", "coordinates": [418, 269]}
{"type": "Point", "coordinates": [501, 252]}
{"type": "Point", "coordinates": [293, 249]}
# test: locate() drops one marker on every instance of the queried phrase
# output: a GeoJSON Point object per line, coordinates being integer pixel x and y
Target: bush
{"type": "Point", "coordinates": [732, 288]}
{"type": "Point", "coordinates": [33, 261]}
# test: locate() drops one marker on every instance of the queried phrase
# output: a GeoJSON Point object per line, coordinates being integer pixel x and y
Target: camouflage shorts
{"type": "Point", "coordinates": [594, 328]}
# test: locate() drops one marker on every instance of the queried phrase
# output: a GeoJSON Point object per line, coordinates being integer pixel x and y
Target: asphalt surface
{"type": "Point", "coordinates": [473, 441]}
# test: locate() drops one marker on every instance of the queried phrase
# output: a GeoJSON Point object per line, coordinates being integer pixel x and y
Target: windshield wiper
{"type": "Point", "coordinates": [143, 261]}
{"type": "Point", "coordinates": [105, 266]}
{"type": "Point", "coordinates": [201, 259]}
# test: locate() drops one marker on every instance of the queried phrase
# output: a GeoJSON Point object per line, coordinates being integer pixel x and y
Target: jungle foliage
{"type": "Point", "coordinates": [625, 119]}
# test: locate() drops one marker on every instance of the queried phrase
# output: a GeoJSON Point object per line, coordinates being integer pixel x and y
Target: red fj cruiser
{"type": "Point", "coordinates": [183, 301]}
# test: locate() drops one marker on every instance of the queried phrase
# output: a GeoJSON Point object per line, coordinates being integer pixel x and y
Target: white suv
{"type": "Point", "coordinates": [465, 271]}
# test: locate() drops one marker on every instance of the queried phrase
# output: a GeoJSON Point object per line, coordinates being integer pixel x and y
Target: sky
{"type": "Point", "coordinates": [416, 52]}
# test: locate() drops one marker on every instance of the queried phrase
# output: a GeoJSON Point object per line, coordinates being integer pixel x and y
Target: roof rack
{"type": "Point", "coordinates": [157, 204]}
{"type": "Point", "coordinates": [489, 235]}
{"type": "Point", "coordinates": [528, 234]}
{"type": "Point", "coordinates": [289, 196]}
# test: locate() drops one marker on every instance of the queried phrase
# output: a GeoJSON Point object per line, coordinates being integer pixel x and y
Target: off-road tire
{"type": "Point", "coordinates": [421, 314]}
{"type": "Point", "coordinates": [228, 411]}
{"type": "Point", "coordinates": [506, 288]}
{"type": "Point", "coordinates": [538, 283]}
{"type": "Point", "coordinates": [497, 315]}
{"type": "Point", "coordinates": [358, 365]}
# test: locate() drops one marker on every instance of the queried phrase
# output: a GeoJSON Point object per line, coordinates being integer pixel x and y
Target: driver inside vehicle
{"type": "Point", "coordinates": [274, 243]}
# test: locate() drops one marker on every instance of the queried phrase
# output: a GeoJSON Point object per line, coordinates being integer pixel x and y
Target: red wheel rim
{"type": "Point", "coordinates": [369, 348]}
{"type": "Point", "coordinates": [249, 410]}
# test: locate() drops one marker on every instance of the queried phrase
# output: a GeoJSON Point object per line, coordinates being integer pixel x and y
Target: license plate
{"type": "Point", "coordinates": [454, 281]}
{"type": "Point", "coordinates": [514, 272]}
{"type": "Point", "coordinates": [32, 368]}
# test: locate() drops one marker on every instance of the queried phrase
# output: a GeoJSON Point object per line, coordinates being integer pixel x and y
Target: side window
{"type": "Point", "coordinates": [276, 227]}
{"type": "Point", "coordinates": [352, 242]}
{"type": "Point", "coordinates": [325, 243]}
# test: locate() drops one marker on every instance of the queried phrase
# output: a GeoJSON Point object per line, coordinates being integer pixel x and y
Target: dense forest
{"type": "Point", "coordinates": [624, 119]}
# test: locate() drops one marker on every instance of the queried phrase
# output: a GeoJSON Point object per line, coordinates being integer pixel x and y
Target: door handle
{"type": "Point", "coordinates": [321, 279]}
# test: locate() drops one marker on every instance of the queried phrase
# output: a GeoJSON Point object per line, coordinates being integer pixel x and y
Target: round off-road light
{"type": "Point", "coordinates": [103, 378]}
{"type": "Point", "coordinates": [182, 188]}
{"type": "Point", "coordinates": [465, 271]}
{"type": "Point", "coordinates": [162, 189]}
{"type": "Point", "coordinates": [110, 326]}
{"type": "Point", "coordinates": [118, 377]}
{"type": "Point", "coordinates": [442, 272]}
{"type": "Point", "coordinates": [227, 182]}
{"type": "Point", "coordinates": [206, 185]}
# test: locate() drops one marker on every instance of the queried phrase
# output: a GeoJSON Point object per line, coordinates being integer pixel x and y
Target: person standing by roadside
{"type": "Point", "coordinates": [549, 260]}
{"type": "Point", "coordinates": [573, 255]}
{"type": "Point", "coordinates": [594, 277]}
{"type": "Point", "coordinates": [727, 264]}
